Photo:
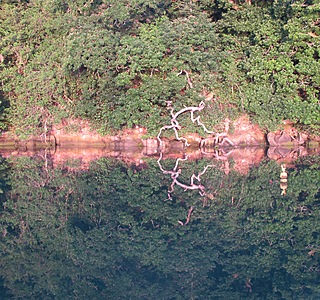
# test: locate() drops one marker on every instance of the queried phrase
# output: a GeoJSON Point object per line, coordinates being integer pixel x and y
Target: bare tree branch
{"type": "Point", "coordinates": [188, 78]}
{"type": "Point", "coordinates": [176, 126]}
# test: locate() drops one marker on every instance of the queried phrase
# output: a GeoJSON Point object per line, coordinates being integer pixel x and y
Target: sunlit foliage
{"type": "Point", "coordinates": [116, 63]}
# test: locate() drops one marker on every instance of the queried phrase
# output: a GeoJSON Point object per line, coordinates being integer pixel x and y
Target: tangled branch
{"type": "Point", "coordinates": [220, 138]}
{"type": "Point", "coordinates": [176, 126]}
{"type": "Point", "coordinates": [188, 77]}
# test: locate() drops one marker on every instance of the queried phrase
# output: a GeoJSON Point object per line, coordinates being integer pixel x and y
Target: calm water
{"type": "Point", "coordinates": [160, 229]}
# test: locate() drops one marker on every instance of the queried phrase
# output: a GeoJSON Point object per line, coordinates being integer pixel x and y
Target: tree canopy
{"type": "Point", "coordinates": [116, 63]}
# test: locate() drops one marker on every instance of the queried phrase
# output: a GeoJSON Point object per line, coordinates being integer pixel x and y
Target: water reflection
{"type": "Point", "coordinates": [175, 173]}
{"type": "Point", "coordinates": [176, 226]}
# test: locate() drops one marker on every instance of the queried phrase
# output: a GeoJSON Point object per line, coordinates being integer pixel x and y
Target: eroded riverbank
{"type": "Point", "coordinates": [242, 142]}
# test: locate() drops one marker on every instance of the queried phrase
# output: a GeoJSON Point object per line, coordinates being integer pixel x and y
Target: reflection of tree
{"type": "Point", "coordinates": [175, 173]}
{"type": "Point", "coordinates": [107, 240]}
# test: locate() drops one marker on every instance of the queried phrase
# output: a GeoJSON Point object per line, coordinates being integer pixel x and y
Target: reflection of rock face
{"type": "Point", "coordinates": [278, 152]}
{"type": "Point", "coordinates": [288, 153]}
{"type": "Point", "coordinates": [287, 144]}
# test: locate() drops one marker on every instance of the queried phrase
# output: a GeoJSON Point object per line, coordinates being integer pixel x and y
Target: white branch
{"type": "Point", "coordinates": [176, 126]}
{"type": "Point", "coordinates": [220, 138]}
{"type": "Point", "coordinates": [188, 78]}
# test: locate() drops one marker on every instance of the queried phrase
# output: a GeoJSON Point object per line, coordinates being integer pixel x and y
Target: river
{"type": "Point", "coordinates": [80, 224]}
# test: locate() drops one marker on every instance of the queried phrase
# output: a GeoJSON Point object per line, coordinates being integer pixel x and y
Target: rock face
{"type": "Point", "coordinates": [246, 134]}
{"type": "Point", "coordinates": [283, 138]}
{"type": "Point", "coordinates": [286, 144]}
{"type": "Point", "coordinates": [286, 138]}
{"type": "Point", "coordinates": [242, 133]}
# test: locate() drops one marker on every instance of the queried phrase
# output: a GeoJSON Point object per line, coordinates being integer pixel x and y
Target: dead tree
{"type": "Point", "coordinates": [175, 123]}
{"type": "Point", "coordinates": [220, 138]}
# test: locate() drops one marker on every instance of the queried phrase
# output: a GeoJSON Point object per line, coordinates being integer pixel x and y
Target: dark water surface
{"type": "Point", "coordinates": [166, 229]}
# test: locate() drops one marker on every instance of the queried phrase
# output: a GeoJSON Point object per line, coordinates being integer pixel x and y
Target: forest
{"type": "Point", "coordinates": [122, 63]}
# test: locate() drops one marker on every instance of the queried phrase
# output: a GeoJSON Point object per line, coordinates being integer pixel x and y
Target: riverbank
{"type": "Point", "coordinates": [238, 133]}
{"type": "Point", "coordinates": [245, 145]}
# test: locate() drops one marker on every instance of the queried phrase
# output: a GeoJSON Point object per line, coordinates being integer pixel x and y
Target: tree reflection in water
{"type": "Point", "coordinates": [108, 232]}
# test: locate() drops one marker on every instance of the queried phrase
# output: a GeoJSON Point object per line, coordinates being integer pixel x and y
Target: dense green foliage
{"type": "Point", "coordinates": [111, 233]}
{"type": "Point", "coordinates": [116, 62]}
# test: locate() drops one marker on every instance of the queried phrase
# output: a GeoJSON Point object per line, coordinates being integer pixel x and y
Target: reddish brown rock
{"type": "Point", "coordinates": [246, 134]}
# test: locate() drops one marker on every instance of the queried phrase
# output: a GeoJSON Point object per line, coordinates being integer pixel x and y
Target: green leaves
{"type": "Point", "coordinates": [116, 63]}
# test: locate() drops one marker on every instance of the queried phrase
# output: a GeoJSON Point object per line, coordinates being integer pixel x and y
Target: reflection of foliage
{"type": "Point", "coordinates": [109, 233]}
